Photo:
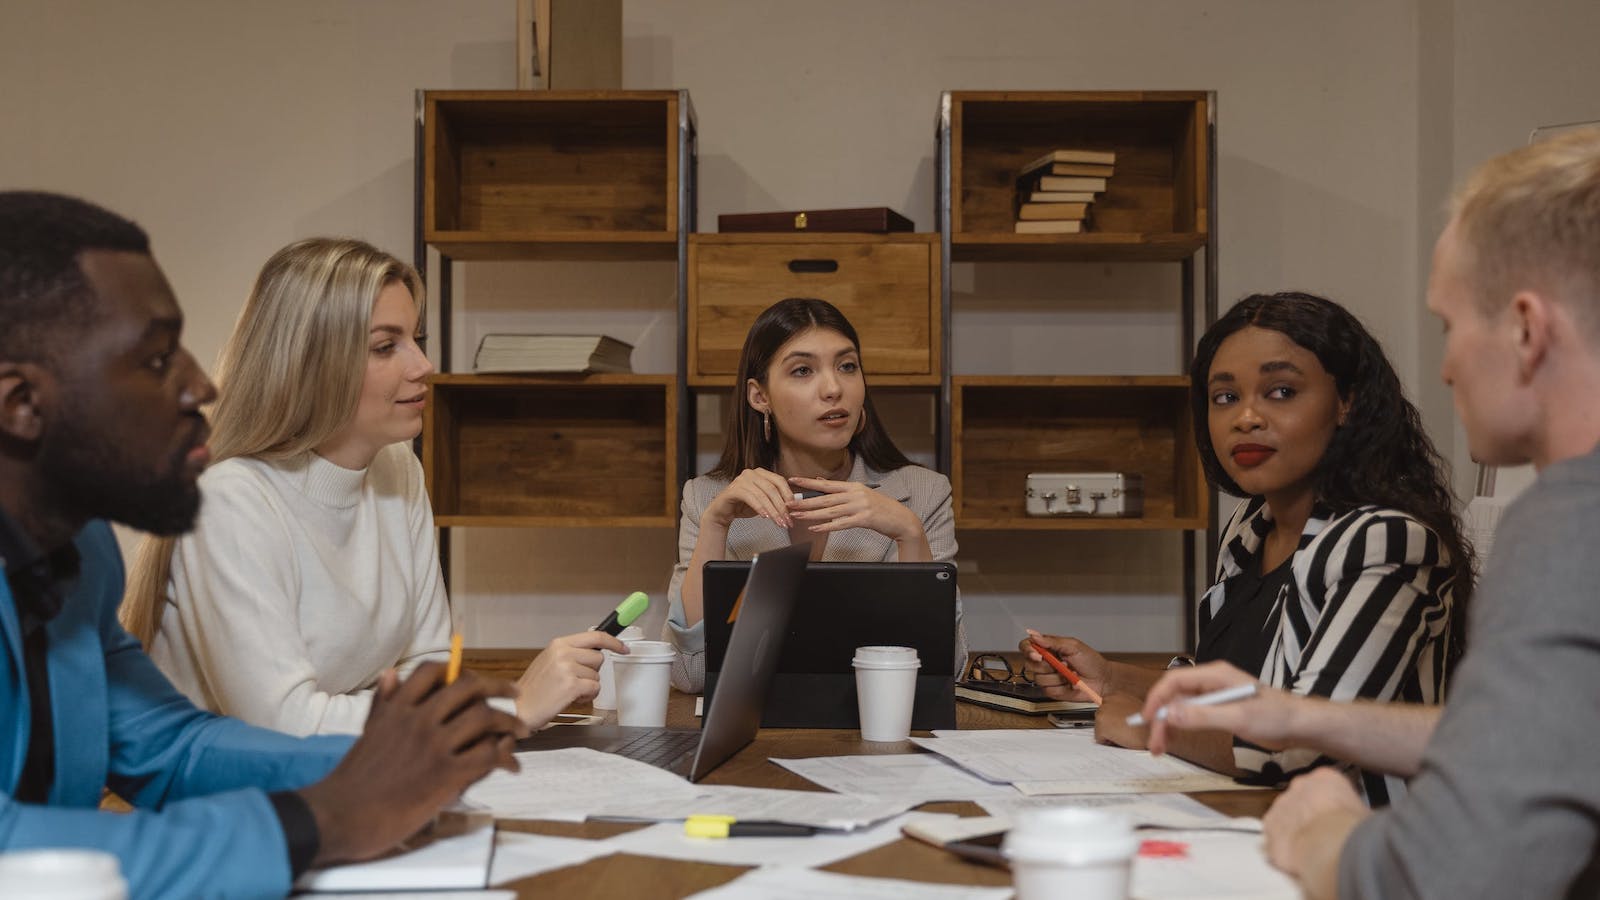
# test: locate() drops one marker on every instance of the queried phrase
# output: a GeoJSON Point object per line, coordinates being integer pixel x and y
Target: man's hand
{"type": "Point", "coordinates": [1306, 829]}
{"type": "Point", "coordinates": [1266, 720]}
{"type": "Point", "coordinates": [424, 743]}
{"type": "Point", "coordinates": [563, 673]}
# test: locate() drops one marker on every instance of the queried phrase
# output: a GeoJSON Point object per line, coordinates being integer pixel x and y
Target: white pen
{"type": "Point", "coordinates": [1226, 695]}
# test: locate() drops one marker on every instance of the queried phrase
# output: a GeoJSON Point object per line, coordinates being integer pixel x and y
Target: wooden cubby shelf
{"type": "Point", "coordinates": [1154, 208]}
{"type": "Point", "coordinates": [886, 285]}
{"type": "Point", "coordinates": [1005, 427]}
{"type": "Point", "coordinates": [526, 450]}
{"type": "Point", "coordinates": [551, 174]}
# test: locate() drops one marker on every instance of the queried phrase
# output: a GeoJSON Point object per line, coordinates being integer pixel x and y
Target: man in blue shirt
{"type": "Point", "coordinates": [100, 420]}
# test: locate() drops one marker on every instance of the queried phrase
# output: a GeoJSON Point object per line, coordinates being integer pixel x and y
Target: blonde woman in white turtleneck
{"type": "Point", "coordinates": [313, 567]}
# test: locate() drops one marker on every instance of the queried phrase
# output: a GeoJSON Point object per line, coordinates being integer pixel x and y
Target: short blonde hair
{"type": "Point", "coordinates": [1531, 219]}
{"type": "Point", "coordinates": [289, 376]}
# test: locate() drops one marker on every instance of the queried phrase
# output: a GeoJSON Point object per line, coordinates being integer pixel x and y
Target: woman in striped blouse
{"type": "Point", "coordinates": [1344, 572]}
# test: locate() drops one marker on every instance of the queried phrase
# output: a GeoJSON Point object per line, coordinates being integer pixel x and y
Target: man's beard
{"type": "Point", "coordinates": [87, 473]}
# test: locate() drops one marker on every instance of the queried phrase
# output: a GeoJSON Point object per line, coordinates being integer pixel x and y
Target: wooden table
{"type": "Point", "coordinates": [643, 878]}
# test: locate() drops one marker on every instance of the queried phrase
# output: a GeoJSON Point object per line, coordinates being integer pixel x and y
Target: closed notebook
{"type": "Point", "coordinates": [556, 353]}
{"type": "Point", "coordinates": [1028, 699]}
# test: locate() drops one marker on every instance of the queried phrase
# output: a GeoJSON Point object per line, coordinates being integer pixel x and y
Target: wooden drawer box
{"type": "Point", "coordinates": [886, 285]}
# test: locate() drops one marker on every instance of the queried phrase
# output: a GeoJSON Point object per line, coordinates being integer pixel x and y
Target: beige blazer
{"type": "Point", "coordinates": [925, 491]}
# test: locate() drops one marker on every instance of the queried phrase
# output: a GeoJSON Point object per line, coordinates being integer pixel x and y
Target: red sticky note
{"type": "Point", "coordinates": [1164, 849]}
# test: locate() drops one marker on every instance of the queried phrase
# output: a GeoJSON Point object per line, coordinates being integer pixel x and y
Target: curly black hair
{"type": "Point", "coordinates": [1380, 455]}
{"type": "Point", "coordinates": [43, 292]}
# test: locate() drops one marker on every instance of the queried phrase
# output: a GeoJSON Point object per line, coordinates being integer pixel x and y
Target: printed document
{"type": "Point", "coordinates": [1039, 761]}
{"type": "Point", "coordinates": [788, 883]}
{"type": "Point", "coordinates": [914, 777]}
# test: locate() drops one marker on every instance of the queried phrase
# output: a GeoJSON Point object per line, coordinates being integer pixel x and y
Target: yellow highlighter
{"type": "Point", "coordinates": [710, 826]}
{"type": "Point", "coordinates": [453, 669]}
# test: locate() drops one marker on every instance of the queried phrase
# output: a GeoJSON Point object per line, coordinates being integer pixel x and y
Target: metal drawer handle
{"type": "Point", "coordinates": [813, 265]}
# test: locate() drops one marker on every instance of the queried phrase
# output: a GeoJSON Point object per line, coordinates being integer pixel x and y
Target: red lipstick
{"type": "Point", "coordinates": [1251, 455]}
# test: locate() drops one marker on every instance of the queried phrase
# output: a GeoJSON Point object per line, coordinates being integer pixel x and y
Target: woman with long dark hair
{"type": "Point", "coordinates": [1344, 573]}
{"type": "Point", "coordinates": [800, 419]}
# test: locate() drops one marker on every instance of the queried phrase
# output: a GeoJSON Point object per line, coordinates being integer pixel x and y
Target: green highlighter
{"type": "Point", "coordinates": [623, 616]}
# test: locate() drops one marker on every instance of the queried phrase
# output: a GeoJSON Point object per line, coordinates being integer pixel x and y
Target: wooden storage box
{"type": "Point", "coordinates": [886, 285]}
{"type": "Point", "coordinates": [1004, 427]}
{"type": "Point", "coordinates": [519, 174]}
{"type": "Point", "coordinates": [1154, 206]}
{"type": "Point", "coordinates": [518, 450]}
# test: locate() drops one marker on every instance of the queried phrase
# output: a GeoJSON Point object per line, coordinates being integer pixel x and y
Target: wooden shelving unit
{"type": "Point", "coordinates": [520, 450]}
{"type": "Point", "coordinates": [1008, 426]}
{"type": "Point", "coordinates": [553, 175]}
{"type": "Point", "coordinates": [886, 285]}
{"type": "Point", "coordinates": [1159, 207]}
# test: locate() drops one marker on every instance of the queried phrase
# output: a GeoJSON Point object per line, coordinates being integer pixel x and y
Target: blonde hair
{"type": "Point", "coordinates": [289, 376]}
{"type": "Point", "coordinates": [1531, 219]}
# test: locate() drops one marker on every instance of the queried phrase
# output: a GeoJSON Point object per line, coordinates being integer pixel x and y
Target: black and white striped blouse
{"type": "Point", "coordinates": [1367, 614]}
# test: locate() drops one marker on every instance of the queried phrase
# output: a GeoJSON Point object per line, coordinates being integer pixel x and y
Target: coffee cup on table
{"type": "Point", "coordinates": [607, 698]}
{"type": "Point", "coordinates": [886, 687]}
{"type": "Point", "coordinates": [65, 874]}
{"type": "Point", "coordinates": [643, 678]}
{"type": "Point", "coordinates": [1070, 851]}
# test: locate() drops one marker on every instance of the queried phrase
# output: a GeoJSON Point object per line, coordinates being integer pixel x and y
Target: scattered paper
{"type": "Point", "coordinates": [461, 861]}
{"type": "Point", "coordinates": [416, 895]}
{"type": "Point", "coordinates": [567, 785]}
{"type": "Point", "coordinates": [1216, 864]}
{"type": "Point", "coordinates": [814, 808]}
{"type": "Point", "coordinates": [667, 840]}
{"type": "Point", "coordinates": [518, 855]}
{"type": "Point", "coordinates": [788, 883]}
{"type": "Point", "coordinates": [1039, 761]}
{"type": "Point", "coordinates": [1143, 810]}
{"type": "Point", "coordinates": [914, 777]}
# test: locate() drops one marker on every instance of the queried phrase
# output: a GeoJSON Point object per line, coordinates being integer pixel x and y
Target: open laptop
{"type": "Point", "coordinates": [733, 716]}
{"type": "Point", "coordinates": [843, 606]}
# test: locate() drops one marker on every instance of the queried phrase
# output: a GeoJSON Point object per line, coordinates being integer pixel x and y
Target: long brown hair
{"type": "Point", "coordinates": [745, 445]}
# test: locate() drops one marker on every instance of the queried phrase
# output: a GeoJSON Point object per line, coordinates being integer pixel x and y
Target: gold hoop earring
{"type": "Point", "coordinates": [766, 426]}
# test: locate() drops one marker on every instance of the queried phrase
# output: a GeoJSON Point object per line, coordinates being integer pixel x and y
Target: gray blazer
{"type": "Point", "coordinates": [924, 490]}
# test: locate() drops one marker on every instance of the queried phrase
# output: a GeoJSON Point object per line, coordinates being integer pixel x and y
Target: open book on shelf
{"type": "Point", "coordinates": [534, 353]}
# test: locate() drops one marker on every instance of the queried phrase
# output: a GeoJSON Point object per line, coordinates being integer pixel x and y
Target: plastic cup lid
{"type": "Point", "coordinates": [645, 651]}
{"type": "Point", "coordinates": [1070, 835]}
{"type": "Point", "coordinates": [59, 869]}
{"type": "Point", "coordinates": [886, 654]}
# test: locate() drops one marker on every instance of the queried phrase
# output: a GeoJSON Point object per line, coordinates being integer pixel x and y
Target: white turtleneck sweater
{"type": "Point", "coordinates": [300, 584]}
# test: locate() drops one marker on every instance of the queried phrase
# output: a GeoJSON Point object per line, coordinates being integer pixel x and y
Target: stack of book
{"type": "Point", "coordinates": [1056, 191]}
{"type": "Point", "coordinates": [552, 353]}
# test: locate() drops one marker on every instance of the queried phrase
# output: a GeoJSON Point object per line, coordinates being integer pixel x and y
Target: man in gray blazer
{"type": "Point", "coordinates": [1504, 795]}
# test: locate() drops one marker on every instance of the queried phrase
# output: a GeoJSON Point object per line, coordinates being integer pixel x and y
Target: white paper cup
{"type": "Point", "coordinates": [607, 698]}
{"type": "Point", "coordinates": [886, 686]}
{"type": "Point", "coordinates": [1070, 851]}
{"type": "Point", "coordinates": [643, 679]}
{"type": "Point", "coordinates": [61, 875]}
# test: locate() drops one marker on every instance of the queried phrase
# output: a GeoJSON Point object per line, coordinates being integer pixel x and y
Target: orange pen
{"type": "Point", "coordinates": [1071, 676]}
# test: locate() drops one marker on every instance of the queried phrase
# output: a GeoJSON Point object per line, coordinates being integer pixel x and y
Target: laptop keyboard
{"type": "Point", "coordinates": [663, 749]}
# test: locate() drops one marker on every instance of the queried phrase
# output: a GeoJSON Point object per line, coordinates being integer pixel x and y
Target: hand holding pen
{"type": "Point", "coordinates": [1088, 670]}
{"type": "Point", "coordinates": [1220, 697]}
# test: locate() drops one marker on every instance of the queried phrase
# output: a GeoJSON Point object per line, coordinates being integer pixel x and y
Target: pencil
{"type": "Point", "coordinates": [453, 670]}
{"type": "Point", "coordinates": [1071, 676]}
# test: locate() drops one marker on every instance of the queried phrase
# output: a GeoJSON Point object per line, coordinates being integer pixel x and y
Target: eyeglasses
{"type": "Point", "coordinates": [995, 667]}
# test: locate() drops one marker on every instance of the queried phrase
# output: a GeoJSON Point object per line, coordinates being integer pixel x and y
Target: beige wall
{"type": "Point", "coordinates": [231, 128]}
